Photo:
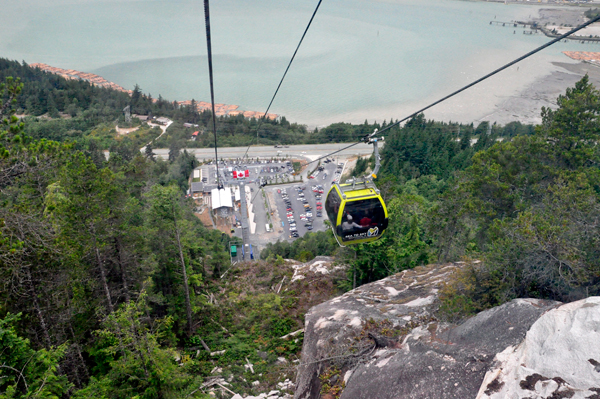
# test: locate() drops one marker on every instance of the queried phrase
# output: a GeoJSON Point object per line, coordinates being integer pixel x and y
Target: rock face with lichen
{"type": "Point", "coordinates": [559, 357]}
{"type": "Point", "coordinates": [382, 340]}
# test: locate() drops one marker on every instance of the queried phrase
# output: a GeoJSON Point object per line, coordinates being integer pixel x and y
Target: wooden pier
{"type": "Point", "coordinates": [534, 28]}
{"type": "Point", "coordinates": [513, 24]}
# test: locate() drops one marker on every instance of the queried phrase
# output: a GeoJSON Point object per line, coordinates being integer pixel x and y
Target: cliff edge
{"type": "Point", "coordinates": [383, 340]}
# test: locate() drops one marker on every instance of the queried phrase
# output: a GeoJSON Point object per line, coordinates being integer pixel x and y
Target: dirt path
{"type": "Point", "coordinates": [162, 127]}
{"type": "Point", "coordinates": [123, 131]}
{"type": "Point", "coordinates": [204, 216]}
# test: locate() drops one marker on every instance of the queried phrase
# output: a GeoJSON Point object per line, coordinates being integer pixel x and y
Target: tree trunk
{"type": "Point", "coordinates": [102, 274]}
{"type": "Point", "coordinates": [119, 248]}
{"type": "Point", "coordinates": [136, 345]}
{"type": "Point", "coordinates": [79, 354]}
{"type": "Point", "coordinates": [186, 288]}
{"type": "Point", "coordinates": [38, 310]}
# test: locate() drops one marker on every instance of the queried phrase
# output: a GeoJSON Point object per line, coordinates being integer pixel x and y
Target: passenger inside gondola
{"type": "Point", "coordinates": [349, 225]}
{"type": "Point", "coordinates": [361, 218]}
{"type": "Point", "coordinates": [365, 221]}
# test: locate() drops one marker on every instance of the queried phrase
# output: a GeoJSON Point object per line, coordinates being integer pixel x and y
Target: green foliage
{"type": "Point", "coordinates": [425, 148]}
{"type": "Point", "coordinates": [360, 167]}
{"type": "Point", "coordinates": [83, 239]}
{"type": "Point", "coordinates": [551, 250]}
{"type": "Point", "coordinates": [139, 364]}
{"type": "Point", "coordinates": [26, 372]}
{"type": "Point", "coordinates": [470, 290]}
{"type": "Point", "coordinates": [530, 206]}
{"type": "Point", "coordinates": [319, 243]}
{"type": "Point", "coordinates": [592, 13]}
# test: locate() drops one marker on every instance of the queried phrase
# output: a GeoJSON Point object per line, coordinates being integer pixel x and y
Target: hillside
{"type": "Point", "coordinates": [112, 287]}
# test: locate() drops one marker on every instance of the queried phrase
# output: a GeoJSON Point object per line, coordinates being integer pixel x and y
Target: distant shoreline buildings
{"type": "Point", "coordinates": [77, 75]}
{"type": "Point", "coordinates": [220, 109]}
{"type": "Point", "coordinates": [586, 56]}
{"type": "Point", "coordinates": [225, 109]}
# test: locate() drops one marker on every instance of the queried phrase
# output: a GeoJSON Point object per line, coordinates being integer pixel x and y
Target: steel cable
{"type": "Point", "coordinates": [285, 73]}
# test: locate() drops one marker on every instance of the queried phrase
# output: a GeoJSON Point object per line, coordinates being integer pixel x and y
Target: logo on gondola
{"type": "Point", "coordinates": [373, 232]}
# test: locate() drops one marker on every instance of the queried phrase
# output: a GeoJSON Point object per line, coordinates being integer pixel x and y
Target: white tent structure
{"type": "Point", "coordinates": [221, 198]}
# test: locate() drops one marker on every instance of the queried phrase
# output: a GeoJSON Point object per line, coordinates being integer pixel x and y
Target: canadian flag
{"type": "Point", "coordinates": [247, 173]}
{"type": "Point", "coordinates": [235, 174]}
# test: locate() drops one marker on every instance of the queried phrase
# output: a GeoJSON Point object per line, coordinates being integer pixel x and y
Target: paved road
{"type": "Point", "coordinates": [310, 151]}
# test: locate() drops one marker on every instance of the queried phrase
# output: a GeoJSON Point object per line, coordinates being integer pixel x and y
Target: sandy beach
{"type": "Point", "coordinates": [526, 106]}
{"type": "Point", "coordinates": [550, 78]}
{"type": "Point", "coordinates": [517, 94]}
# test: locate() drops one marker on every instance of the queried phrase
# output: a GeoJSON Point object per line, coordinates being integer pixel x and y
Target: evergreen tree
{"type": "Point", "coordinates": [148, 151]}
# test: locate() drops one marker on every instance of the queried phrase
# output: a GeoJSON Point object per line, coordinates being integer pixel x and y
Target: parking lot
{"type": "Point", "coordinates": [292, 208]}
{"type": "Point", "coordinates": [301, 206]}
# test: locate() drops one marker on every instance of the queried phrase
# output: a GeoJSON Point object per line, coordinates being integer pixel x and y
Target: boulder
{"type": "Point", "coordinates": [382, 340]}
{"type": "Point", "coordinates": [559, 357]}
{"type": "Point", "coordinates": [323, 265]}
{"type": "Point", "coordinates": [448, 362]}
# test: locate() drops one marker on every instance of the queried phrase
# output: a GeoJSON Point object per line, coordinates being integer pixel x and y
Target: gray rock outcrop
{"type": "Point", "coordinates": [511, 351]}
{"type": "Point", "coordinates": [559, 357]}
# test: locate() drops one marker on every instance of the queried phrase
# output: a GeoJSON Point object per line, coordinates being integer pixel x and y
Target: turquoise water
{"type": "Point", "coordinates": [359, 54]}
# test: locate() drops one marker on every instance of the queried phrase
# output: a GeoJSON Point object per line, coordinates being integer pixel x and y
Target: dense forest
{"type": "Point", "coordinates": [112, 288]}
{"type": "Point", "coordinates": [521, 202]}
{"type": "Point", "coordinates": [75, 111]}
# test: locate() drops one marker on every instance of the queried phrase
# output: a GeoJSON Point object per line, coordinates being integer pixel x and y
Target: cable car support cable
{"type": "Point", "coordinates": [212, 91]}
{"type": "Point", "coordinates": [284, 74]}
